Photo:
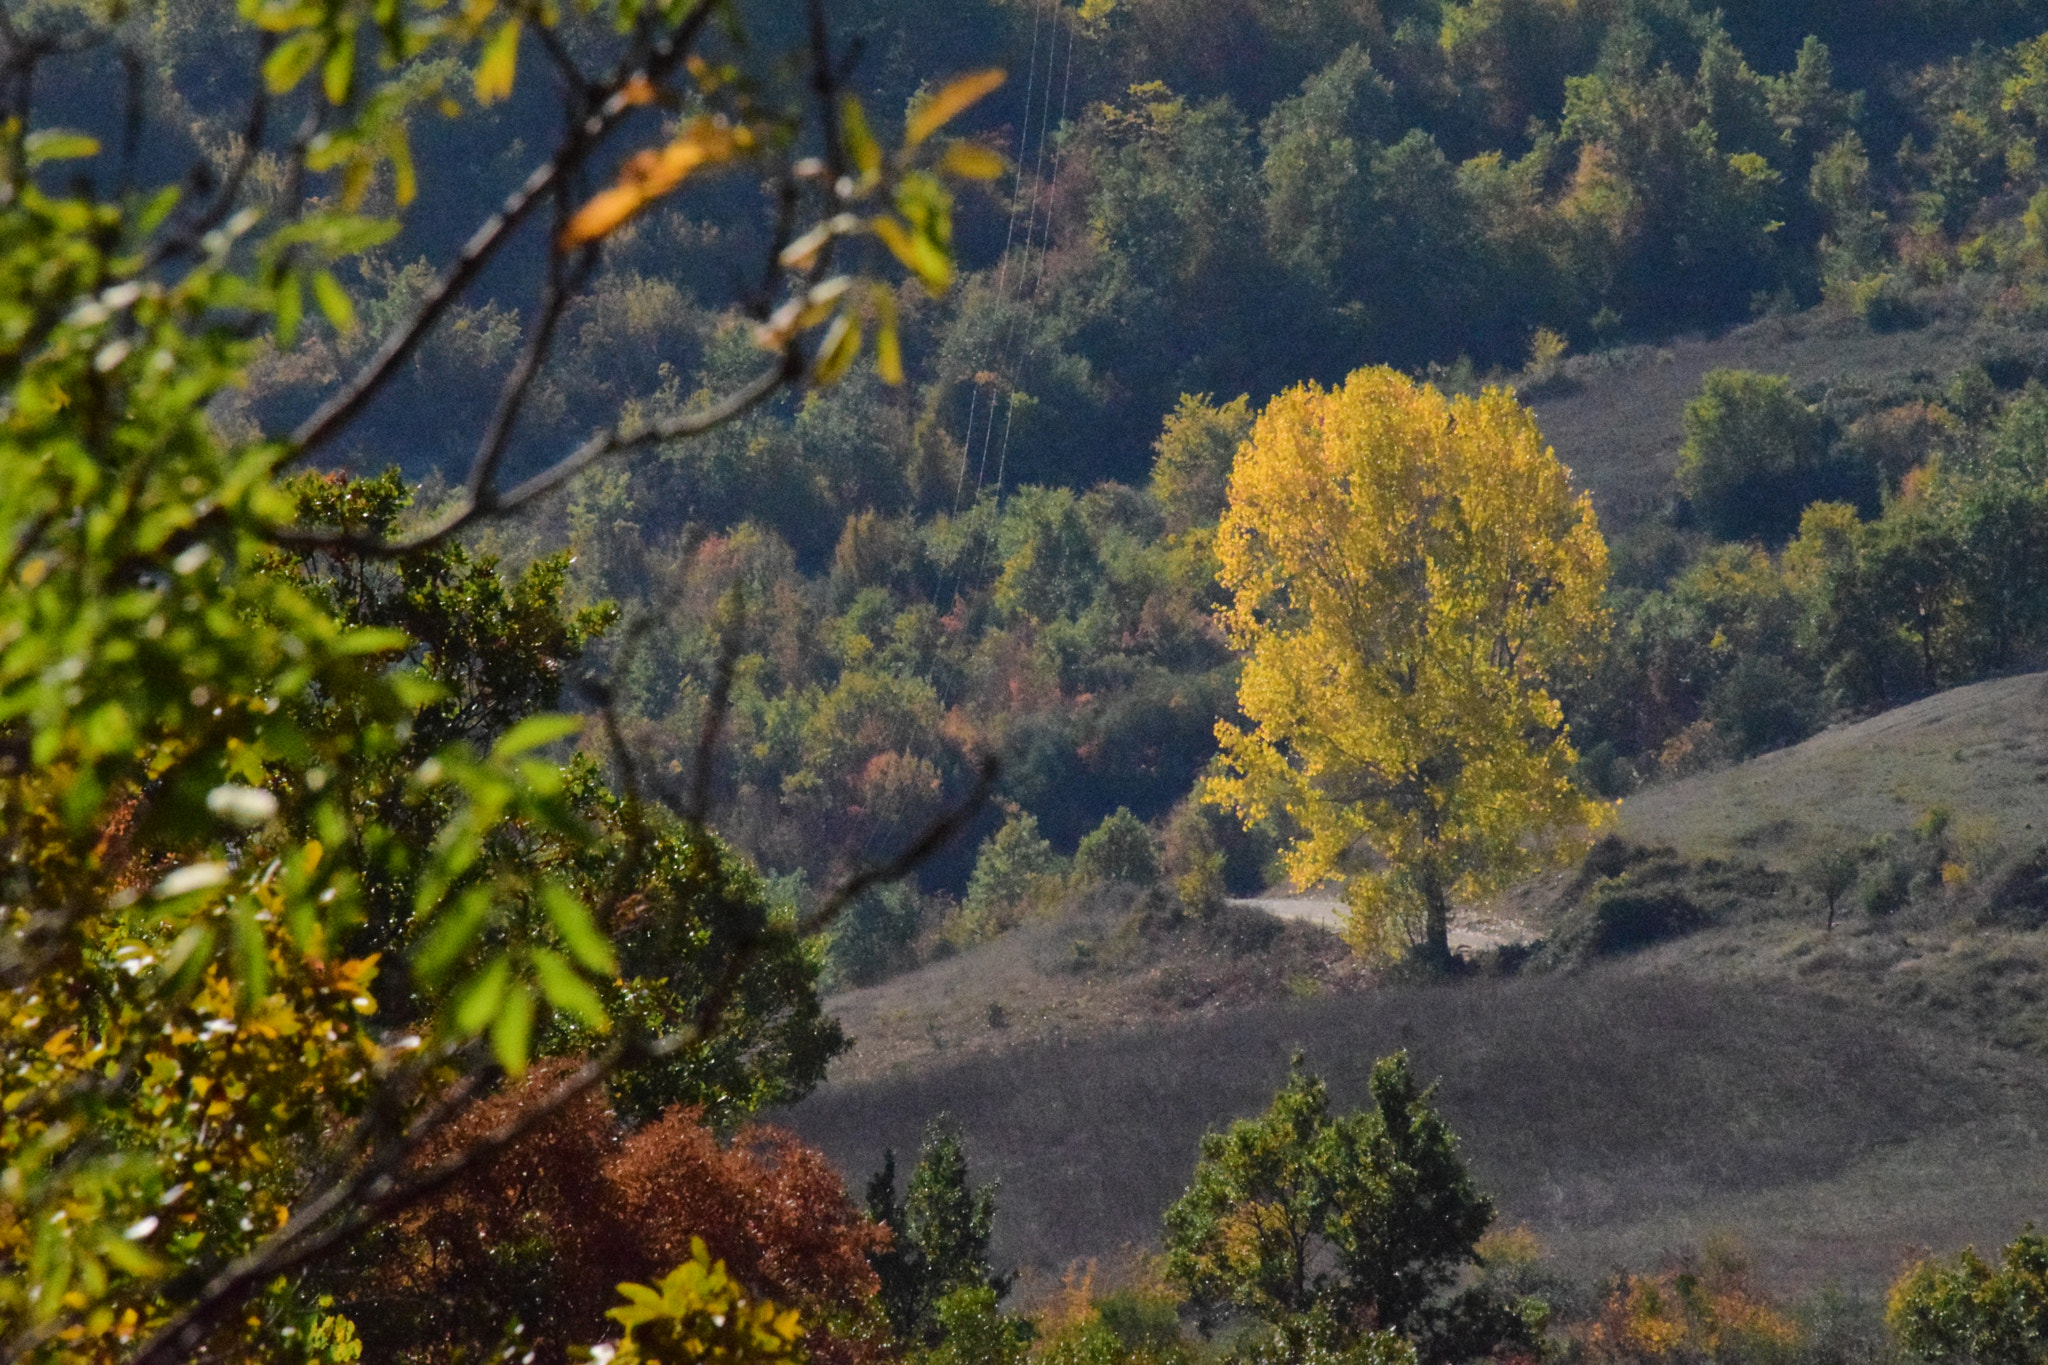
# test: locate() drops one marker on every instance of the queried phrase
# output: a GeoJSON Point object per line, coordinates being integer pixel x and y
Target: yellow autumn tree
{"type": "Point", "coordinates": [1412, 576]}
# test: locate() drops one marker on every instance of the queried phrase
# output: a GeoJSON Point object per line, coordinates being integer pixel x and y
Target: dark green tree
{"type": "Point", "coordinates": [1334, 1226]}
{"type": "Point", "coordinates": [1755, 457]}
{"type": "Point", "coordinates": [939, 1238]}
{"type": "Point", "coordinates": [1120, 849]}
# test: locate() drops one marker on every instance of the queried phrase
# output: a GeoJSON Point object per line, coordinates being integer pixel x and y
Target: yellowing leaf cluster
{"type": "Point", "coordinates": [1411, 575]}
{"type": "Point", "coordinates": [206, 1109]}
{"type": "Point", "coordinates": [650, 174]}
{"type": "Point", "coordinates": [700, 1313]}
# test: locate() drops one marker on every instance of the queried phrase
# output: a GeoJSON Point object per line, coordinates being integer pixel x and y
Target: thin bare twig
{"type": "Point", "coordinates": [582, 140]}
{"type": "Point", "coordinates": [910, 859]}
{"type": "Point", "coordinates": [563, 282]}
{"type": "Point", "coordinates": [489, 504]}
{"type": "Point", "coordinates": [730, 642]}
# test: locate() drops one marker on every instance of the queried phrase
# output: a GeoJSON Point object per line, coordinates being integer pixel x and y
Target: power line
{"type": "Point", "coordinates": [1009, 237]}
{"type": "Point", "coordinates": [1014, 327]}
{"type": "Point", "coordinates": [1044, 253]}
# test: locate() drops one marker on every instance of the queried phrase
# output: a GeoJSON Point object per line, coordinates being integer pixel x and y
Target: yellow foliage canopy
{"type": "Point", "coordinates": [1412, 575]}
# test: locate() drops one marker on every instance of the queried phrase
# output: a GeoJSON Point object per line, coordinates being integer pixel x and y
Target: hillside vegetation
{"type": "Point", "coordinates": [1623, 1113]}
{"type": "Point", "coordinates": [1978, 752]}
{"type": "Point", "coordinates": [564, 557]}
{"type": "Point", "coordinates": [1834, 1099]}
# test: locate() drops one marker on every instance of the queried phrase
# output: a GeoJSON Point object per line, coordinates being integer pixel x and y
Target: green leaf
{"type": "Point", "coordinates": [888, 342]}
{"type": "Point", "coordinates": [130, 1258]}
{"type": "Point", "coordinates": [58, 144]}
{"type": "Point", "coordinates": [405, 179]}
{"type": "Point", "coordinates": [338, 72]}
{"type": "Point", "coordinates": [566, 989]}
{"type": "Point", "coordinates": [372, 640]}
{"type": "Point", "coordinates": [252, 961]}
{"type": "Point", "coordinates": [917, 252]}
{"type": "Point", "coordinates": [512, 1030]}
{"type": "Point", "coordinates": [291, 59]}
{"type": "Point", "coordinates": [478, 1001]}
{"type": "Point", "coordinates": [334, 301]}
{"type": "Point", "coordinates": [499, 62]}
{"type": "Point", "coordinates": [580, 934]}
{"type": "Point", "coordinates": [533, 733]}
{"type": "Point", "coordinates": [453, 931]}
{"type": "Point", "coordinates": [188, 957]}
{"type": "Point", "coordinates": [291, 306]}
{"type": "Point", "coordinates": [861, 147]}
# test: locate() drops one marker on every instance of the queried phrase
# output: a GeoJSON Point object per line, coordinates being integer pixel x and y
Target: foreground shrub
{"type": "Point", "coordinates": [1711, 1312]}
{"type": "Point", "coordinates": [1340, 1231]}
{"type": "Point", "coordinates": [541, 1236]}
{"type": "Point", "coordinates": [1968, 1310]}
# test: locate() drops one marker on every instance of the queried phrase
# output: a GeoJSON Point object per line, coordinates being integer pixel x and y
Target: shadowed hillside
{"type": "Point", "coordinates": [1621, 1114]}
{"type": "Point", "coordinates": [1617, 417]}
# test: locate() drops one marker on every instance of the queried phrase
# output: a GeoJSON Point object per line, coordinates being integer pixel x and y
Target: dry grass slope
{"type": "Point", "coordinates": [1622, 1113]}
{"type": "Point", "coordinates": [1980, 751]}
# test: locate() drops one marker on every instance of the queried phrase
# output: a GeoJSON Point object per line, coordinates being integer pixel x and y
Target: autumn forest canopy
{"type": "Point", "coordinates": [542, 541]}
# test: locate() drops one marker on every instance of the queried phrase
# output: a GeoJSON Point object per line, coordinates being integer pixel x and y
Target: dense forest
{"type": "Point", "coordinates": [542, 541]}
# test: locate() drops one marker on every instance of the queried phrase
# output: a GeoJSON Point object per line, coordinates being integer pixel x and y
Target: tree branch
{"type": "Point", "coordinates": [484, 243]}
{"type": "Point", "coordinates": [478, 506]}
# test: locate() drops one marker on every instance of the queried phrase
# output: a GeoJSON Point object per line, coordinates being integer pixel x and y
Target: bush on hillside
{"type": "Point", "coordinates": [876, 936]}
{"type": "Point", "coordinates": [1639, 908]}
{"type": "Point", "coordinates": [1755, 456]}
{"type": "Point", "coordinates": [1628, 897]}
{"type": "Point", "coordinates": [2020, 897]}
{"type": "Point", "coordinates": [1015, 869]}
{"type": "Point", "coordinates": [1191, 858]}
{"type": "Point", "coordinates": [1120, 849]}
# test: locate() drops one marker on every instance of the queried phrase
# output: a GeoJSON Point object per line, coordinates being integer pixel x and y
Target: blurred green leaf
{"type": "Point", "coordinates": [535, 732]}
{"type": "Point", "coordinates": [566, 989]}
{"type": "Point", "coordinates": [512, 1029]}
{"type": "Point", "coordinates": [580, 934]}
{"type": "Point", "coordinates": [58, 144]}
{"type": "Point", "coordinates": [480, 998]}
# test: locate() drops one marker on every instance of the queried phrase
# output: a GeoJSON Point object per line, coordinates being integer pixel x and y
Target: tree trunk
{"type": "Point", "coordinates": [1436, 934]}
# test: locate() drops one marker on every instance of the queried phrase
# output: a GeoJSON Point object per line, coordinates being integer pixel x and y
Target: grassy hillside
{"type": "Point", "coordinates": [1621, 1113]}
{"type": "Point", "coordinates": [1616, 417]}
{"type": "Point", "coordinates": [1981, 752]}
{"type": "Point", "coordinates": [1097, 970]}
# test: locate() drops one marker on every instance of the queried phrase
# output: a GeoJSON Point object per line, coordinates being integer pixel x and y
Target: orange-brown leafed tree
{"type": "Point", "coordinates": [540, 1237]}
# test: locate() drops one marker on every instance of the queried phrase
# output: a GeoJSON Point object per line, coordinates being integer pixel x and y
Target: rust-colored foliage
{"type": "Point", "coordinates": [547, 1231]}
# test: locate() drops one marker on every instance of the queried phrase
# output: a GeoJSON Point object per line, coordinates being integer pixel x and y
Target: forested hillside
{"type": "Point", "coordinates": [1010, 552]}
